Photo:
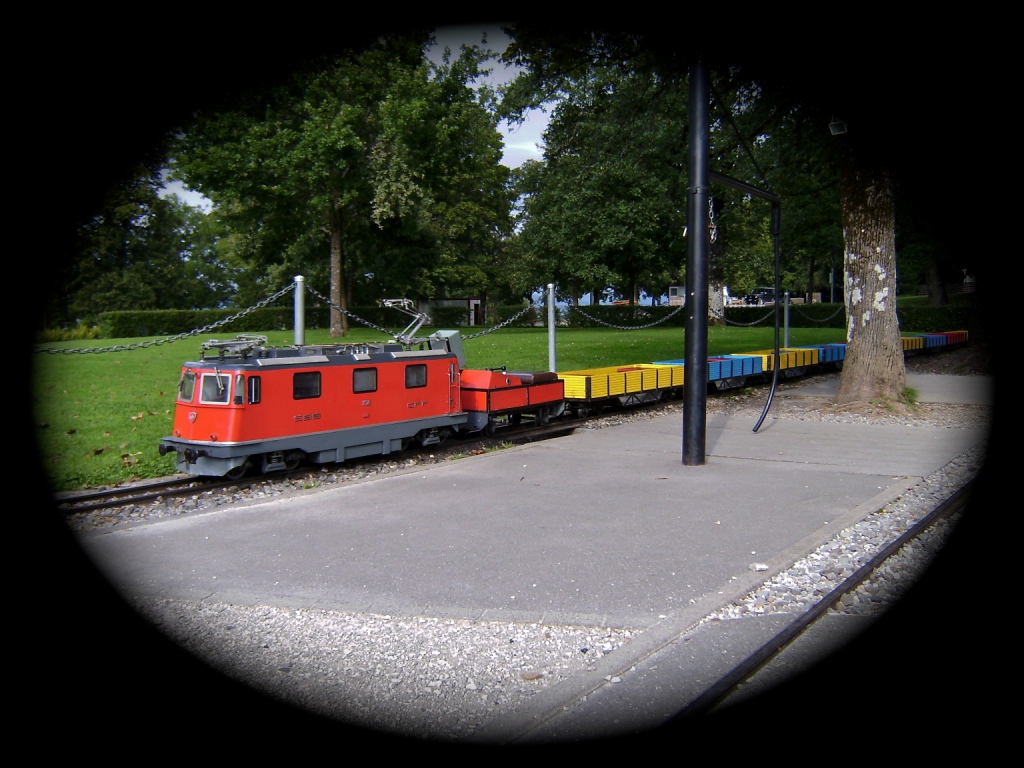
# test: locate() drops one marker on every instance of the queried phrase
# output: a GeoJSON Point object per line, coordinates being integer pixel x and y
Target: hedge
{"type": "Point", "coordinates": [120, 325]}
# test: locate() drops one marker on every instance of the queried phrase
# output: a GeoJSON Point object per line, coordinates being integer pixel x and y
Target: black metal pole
{"type": "Point", "coordinates": [695, 383]}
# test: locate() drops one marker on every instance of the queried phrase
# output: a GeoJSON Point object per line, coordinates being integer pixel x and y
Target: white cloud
{"type": "Point", "coordinates": [523, 141]}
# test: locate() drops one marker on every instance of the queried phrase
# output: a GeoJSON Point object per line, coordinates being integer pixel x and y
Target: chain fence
{"type": "Point", "coordinates": [170, 340]}
{"type": "Point", "coordinates": [362, 321]}
{"type": "Point", "coordinates": [352, 315]}
{"type": "Point", "coordinates": [748, 325]}
{"type": "Point", "coordinates": [793, 307]}
{"type": "Point", "coordinates": [368, 324]}
{"type": "Point", "coordinates": [842, 308]}
{"type": "Point", "coordinates": [260, 305]}
{"type": "Point", "coordinates": [627, 327]}
{"type": "Point", "coordinates": [503, 324]}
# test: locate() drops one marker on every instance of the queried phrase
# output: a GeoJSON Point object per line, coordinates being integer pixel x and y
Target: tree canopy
{"type": "Point", "coordinates": [607, 205]}
{"type": "Point", "coordinates": [354, 160]}
{"type": "Point", "coordinates": [142, 250]}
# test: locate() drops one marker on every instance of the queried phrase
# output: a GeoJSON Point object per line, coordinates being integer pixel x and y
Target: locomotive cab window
{"type": "Point", "coordinates": [187, 387]}
{"type": "Point", "coordinates": [364, 380]}
{"type": "Point", "coordinates": [415, 376]}
{"type": "Point", "coordinates": [239, 389]}
{"type": "Point", "coordinates": [215, 388]}
{"type": "Point", "coordinates": [306, 385]}
{"type": "Point", "coordinates": [254, 389]}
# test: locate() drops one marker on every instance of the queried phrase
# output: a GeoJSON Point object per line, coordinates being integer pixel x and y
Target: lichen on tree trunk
{"type": "Point", "coordinates": [874, 367]}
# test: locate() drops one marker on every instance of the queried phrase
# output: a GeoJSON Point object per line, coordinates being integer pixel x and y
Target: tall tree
{"type": "Point", "coordinates": [874, 366]}
{"type": "Point", "coordinates": [388, 165]}
{"type": "Point", "coordinates": [605, 208]}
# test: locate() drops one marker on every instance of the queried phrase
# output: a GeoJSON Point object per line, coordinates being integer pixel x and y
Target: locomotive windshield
{"type": "Point", "coordinates": [215, 388]}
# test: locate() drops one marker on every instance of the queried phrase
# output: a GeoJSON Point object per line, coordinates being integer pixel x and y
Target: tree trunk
{"type": "Point", "coordinates": [716, 304]}
{"type": "Point", "coordinates": [339, 320]}
{"type": "Point", "coordinates": [874, 368]}
{"type": "Point", "coordinates": [811, 265]}
{"type": "Point", "coordinates": [936, 287]}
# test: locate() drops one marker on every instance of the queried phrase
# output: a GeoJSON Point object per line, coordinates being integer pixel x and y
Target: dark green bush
{"type": "Point", "coordinates": [449, 317]}
{"type": "Point", "coordinates": [924, 319]}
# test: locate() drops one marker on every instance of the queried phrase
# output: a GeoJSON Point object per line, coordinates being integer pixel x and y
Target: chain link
{"type": "Point", "coordinates": [500, 325]}
{"type": "Point", "coordinates": [354, 316]}
{"type": "Point", "coordinates": [628, 327]}
{"type": "Point", "coordinates": [791, 306]}
{"type": "Point", "coordinates": [747, 325]}
{"type": "Point", "coordinates": [814, 319]}
{"type": "Point", "coordinates": [712, 228]}
{"type": "Point", "coordinates": [171, 339]}
{"type": "Point", "coordinates": [368, 324]}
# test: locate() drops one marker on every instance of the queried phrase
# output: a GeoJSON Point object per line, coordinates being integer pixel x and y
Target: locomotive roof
{"type": "Point", "coordinates": [318, 354]}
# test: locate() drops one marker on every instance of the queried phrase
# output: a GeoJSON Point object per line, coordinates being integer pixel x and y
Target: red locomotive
{"type": "Point", "coordinates": [269, 408]}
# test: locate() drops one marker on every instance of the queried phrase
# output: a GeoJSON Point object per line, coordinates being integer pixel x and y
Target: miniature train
{"type": "Point", "coordinates": [246, 406]}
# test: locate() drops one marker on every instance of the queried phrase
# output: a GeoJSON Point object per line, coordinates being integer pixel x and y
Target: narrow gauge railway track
{"type": "Point", "coordinates": [145, 492]}
{"type": "Point", "coordinates": [90, 500]}
{"type": "Point", "coordinates": [80, 502]}
{"type": "Point", "coordinates": [718, 694]}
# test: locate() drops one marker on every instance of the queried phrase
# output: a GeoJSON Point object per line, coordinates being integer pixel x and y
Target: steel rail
{"type": "Point", "coordinates": [729, 682]}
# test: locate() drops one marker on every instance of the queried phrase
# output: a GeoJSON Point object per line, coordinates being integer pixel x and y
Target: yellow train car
{"type": "Point", "coordinates": [639, 383]}
{"type": "Point", "coordinates": [792, 361]}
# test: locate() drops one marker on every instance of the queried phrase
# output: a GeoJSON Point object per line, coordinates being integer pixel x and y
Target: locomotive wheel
{"type": "Point", "coordinates": [292, 461]}
{"type": "Point", "coordinates": [490, 428]}
{"type": "Point", "coordinates": [542, 416]}
{"type": "Point", "coordinates": [237, 473]}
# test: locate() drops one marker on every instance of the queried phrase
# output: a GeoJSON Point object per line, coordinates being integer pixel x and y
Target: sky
{"type": "Point", "coordinates": [522, 142]}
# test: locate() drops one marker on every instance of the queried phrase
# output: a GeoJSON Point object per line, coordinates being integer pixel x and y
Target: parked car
{"type": "Point", "coordinates": [760, 296]}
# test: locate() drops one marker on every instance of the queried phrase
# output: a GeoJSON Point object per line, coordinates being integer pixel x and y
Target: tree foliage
{"type": "Point", "coordinates": [602, 212]}
{"type": "Point", "coordinates": [143, 251]}
{"type": "Point", "coordinates": [374, 163]}
{"type": "Point", "coordinates": [607, 206]}
{"type": "Point", "coordinates": [604, 209]}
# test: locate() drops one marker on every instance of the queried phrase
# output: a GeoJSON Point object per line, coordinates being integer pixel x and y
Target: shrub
{"type": "Point", "coordinates": [69, 333]}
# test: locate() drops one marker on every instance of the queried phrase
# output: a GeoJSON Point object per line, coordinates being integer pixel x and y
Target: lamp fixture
{"type": "Point", "coordinates": [837, 127]}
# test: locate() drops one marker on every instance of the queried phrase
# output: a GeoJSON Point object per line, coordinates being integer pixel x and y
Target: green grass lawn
{"type": "Point", "coordinates": [99, 417]}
